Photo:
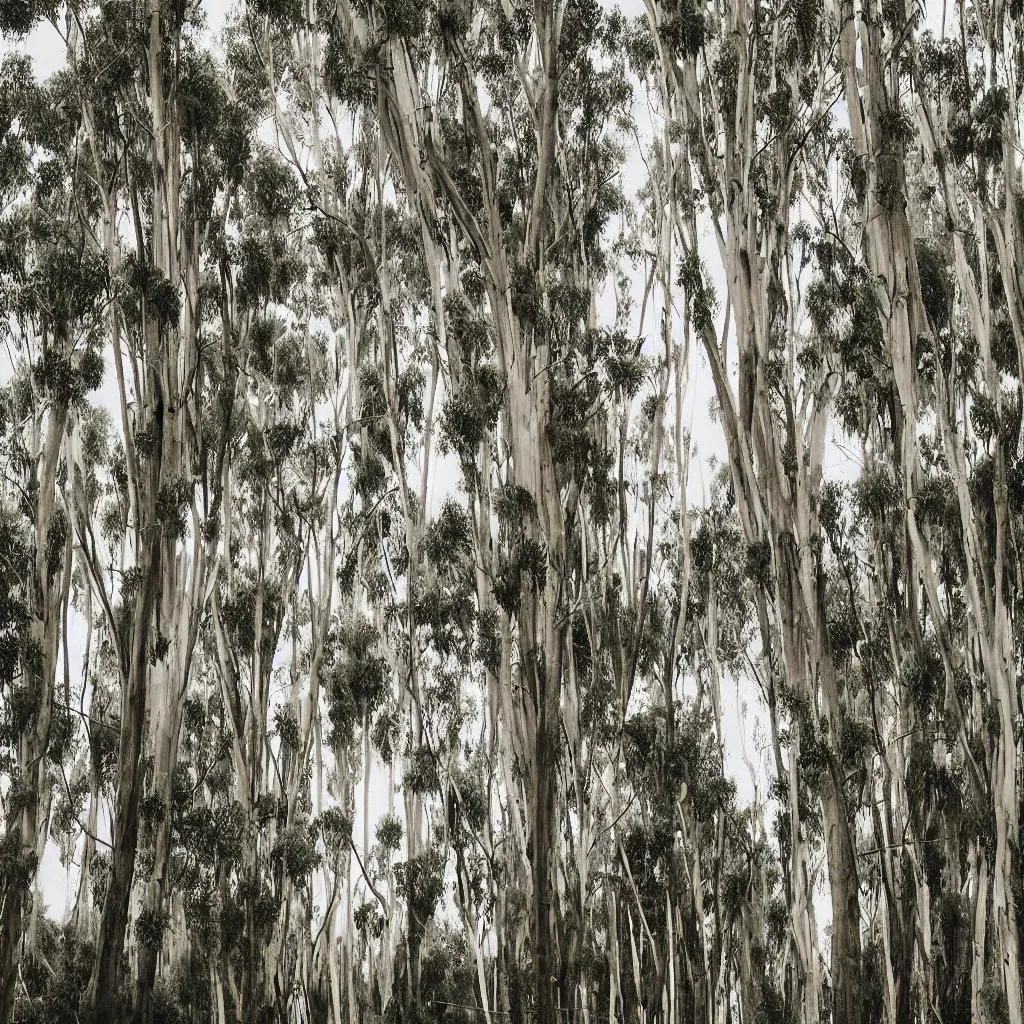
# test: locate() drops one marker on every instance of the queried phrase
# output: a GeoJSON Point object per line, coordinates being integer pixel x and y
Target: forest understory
{"type": "Point", "coordinates": [419, 420]}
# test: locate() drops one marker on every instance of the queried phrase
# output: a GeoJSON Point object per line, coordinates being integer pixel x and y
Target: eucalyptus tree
{"type": "Point", "coordinates": [54, 292]}
{"type": "Point", "coordinates": [976, 163]}
{"type": "Point", "coordinates": [371, 660]}
{"type": "Point", "coordinates": [755, 156]}
{"type": "Point", "coordinates": [511, 193]}
{"type": "Point", "coordinates": [480, 213]}
{"type": "Point", "coordinates": [137, 90]}
{"type": "Point", "coordinates": [284, 524]}
{"type": "Point", "coordinates": [55, 296]}
{"type": "Point", "coordinates": [941, 238]}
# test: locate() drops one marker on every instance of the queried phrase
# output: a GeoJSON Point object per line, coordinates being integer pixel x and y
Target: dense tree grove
{"type": "Point", "coordinates": [512, 512]}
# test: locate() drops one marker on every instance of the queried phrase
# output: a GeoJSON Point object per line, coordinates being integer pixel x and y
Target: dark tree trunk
{"type": "Point", "coordinates": [106, 976]}
{"type": "Point", "coordinates": [845, 888]}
